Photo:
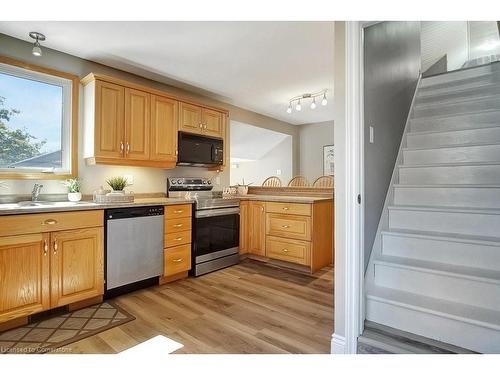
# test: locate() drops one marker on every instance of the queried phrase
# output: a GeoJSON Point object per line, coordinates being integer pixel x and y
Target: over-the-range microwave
{"type": "Point", "coordinates": [199, 150]}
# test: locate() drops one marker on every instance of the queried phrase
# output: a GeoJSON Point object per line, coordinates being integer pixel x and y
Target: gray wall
{"type": "Point", "coordinates": [312, 139]}
{"type": "Point", "coordinates": [146, 180]}
{"type": "Point", "coordinates": [391, 70]}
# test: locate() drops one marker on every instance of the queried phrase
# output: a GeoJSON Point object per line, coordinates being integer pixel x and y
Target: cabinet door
{"type": "Point", "coordinates": [190, 118]}
{"type": "Point", "coordinates": [77, 265]}
{"type": "Point", "coordinates": [257, 228]}
{"type": "Point", "coordinates": [164, 121]}
{"type": "Point", "coordinates": [244, 230]}
{"type": "Point", "coordinates": [137, 124]}
{"type": "Point", "coordinates": [24, 275]}
{"type": "Point", "coordinates": [213, 122]}
{"type": "Point", "coordinates": [109, 137]}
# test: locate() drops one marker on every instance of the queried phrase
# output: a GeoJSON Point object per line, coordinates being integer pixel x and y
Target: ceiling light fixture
{"type": "Point", "coordinates": [313, 96]}
{"type": "Point", "coordinates": [39, 37]}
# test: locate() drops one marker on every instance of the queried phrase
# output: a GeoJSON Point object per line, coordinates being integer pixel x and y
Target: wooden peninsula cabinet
{"type": "Point", "coordinates": [49, 260]}
{"type": "Point", "coordinates": [299, 233]}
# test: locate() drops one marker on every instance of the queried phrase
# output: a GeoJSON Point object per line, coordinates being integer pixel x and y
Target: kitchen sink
{"type": "Point", "coordinates": [41, 204]}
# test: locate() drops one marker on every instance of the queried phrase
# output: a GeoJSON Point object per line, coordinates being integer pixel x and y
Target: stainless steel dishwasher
{"type": "Point", "coordinates": [134, 248]}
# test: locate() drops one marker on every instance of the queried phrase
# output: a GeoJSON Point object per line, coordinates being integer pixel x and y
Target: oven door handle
{"type": "Point", "coordinates": [218, 212]}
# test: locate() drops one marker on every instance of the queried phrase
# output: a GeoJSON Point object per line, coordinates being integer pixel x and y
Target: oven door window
{"type": "Point", "coordinates": [217, 233]}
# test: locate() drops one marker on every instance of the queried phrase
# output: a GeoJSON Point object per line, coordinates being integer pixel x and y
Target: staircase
{"type": "Point", "coordinates": [434, 270]}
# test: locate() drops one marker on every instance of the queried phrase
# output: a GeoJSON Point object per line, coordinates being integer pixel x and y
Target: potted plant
{"type": "Point", "coordinates": [74, 186]}
{"type": "Point", "coordinates": [117, 184]}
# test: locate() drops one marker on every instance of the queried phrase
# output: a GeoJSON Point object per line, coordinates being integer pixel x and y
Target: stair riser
{"type": "Point", "coordinates": [436, 327]}
{"type": "Point", "coordinates": [482, 174]}
{"type": "Point", "coordinates": [442, 251]}
{"type": "Point", "coordinates": [455, 86]}
{"type": "Point", "coordinates": [471, 121]}
{"type": "Point", "coordinates": [468, 74]}
{"type": "Point", "coordinates": [475, 224]}
{"type": "Point", "coordinates": [446, 196]}
{"type": "Point", "coordinates": [449, 98]}
{"type": "Point", "coordinates": [457, 137]}
{"type": "Point", "coordinates": [446, 287]}
{"type": "Point", "coordinates": [489, 153]}
{"type": "Point", "coordinates": [456, 108]}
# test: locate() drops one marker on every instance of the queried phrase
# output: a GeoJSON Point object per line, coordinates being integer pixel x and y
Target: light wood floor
{"type": "Point", "coordinates": [248, 308]}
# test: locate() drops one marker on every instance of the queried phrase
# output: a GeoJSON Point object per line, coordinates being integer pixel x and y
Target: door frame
{"type": "Point", "coordinates": [351, 291]}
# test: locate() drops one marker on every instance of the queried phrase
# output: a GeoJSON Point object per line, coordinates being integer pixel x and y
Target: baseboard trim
{"type": "Point", "coordinates": [338, 345]}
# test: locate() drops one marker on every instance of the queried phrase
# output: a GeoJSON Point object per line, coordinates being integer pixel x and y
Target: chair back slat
{"type": "Point", "coordinates": [272, 181]}
{"type": "Point", "coordinates": [298, 181]}
{"type": "Point", "coordinates": [324, 182]}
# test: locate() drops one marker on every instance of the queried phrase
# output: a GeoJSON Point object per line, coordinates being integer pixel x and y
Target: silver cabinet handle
{"type": "Point", "coordinates": [285, 208]}
{"type": "Point", "coordinates": [121, 147]}
{"type": "Point", "coordinates": [56, 247]}
{"type": "Point", "coordinates": [285, 226]}
{"type": "Point", "coordinates": [45, 247]}
{"type": "Point", "coordinates": [128, 148]}
{"type": "Point", "coordinates": [177, 260]}
{"type": "Point", "coordinates": [285, 250]}
{"type": "Point", "coordinates": [49, 222]}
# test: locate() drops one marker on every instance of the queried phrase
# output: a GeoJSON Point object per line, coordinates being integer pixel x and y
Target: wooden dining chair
{"type": "Point", "coordinates": [324, 182]}
{"type": "Point", "coordinates": [298, 181]}
{"type": "Point", "coordinates": [272, 181]}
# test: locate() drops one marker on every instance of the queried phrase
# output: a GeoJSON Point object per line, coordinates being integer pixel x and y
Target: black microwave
{"type": "Point", "coordinates": [199, 150]}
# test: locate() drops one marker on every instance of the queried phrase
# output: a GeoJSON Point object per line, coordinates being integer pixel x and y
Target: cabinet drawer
{"type": "Point", "coordinates": [176, 259]}
{"type": "Point", "coordinates": [50, 222]}
{"type": "Point", "coordinates": [179, 238]}
{"type": "Point", "coordinates": [289, 208]}
{"type": "Point", "coordinates": [177, 225]}
{"type": "Point", "coordinates": [288, 226]}
{"type": "Point", "coordinates": [289, 250]}
{"type": "Point", "coordinates": [182, 210]}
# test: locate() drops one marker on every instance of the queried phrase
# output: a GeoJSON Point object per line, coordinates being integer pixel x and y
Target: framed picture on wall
{"type": "Point", "coordinates": [328, 160]}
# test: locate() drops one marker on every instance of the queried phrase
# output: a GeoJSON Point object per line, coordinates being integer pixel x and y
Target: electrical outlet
{"type": "Point", "coordinates": [278, 172]}
{"type": "Point", "coordinates": [129, 178]}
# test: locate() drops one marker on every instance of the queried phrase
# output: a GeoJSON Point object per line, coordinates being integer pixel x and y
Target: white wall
{"type": "Point", "coordinates": [312, 139]}
{"type": "Point", "coordinates": [439, 38]}
{"type": "Point", "coordinates": [255, 172]}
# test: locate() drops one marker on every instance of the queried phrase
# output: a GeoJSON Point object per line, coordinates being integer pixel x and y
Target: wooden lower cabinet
{"type": "Point", "coordinates": [177, 259]}
{"type": "Point", "coordinates": [257, 228]}
{"type": "Point", "coordinates": [300, 233]}
{"type": "Point", "coordinates": [24, 275]}
{"type": "Point", "coordinates": [289, 250]}
{"type": "Point", "coordinates": [44, 270]}
{"type": "Point", "coordinates": [177, 242]}
{"type": "Point", "coordinates": [77, 265]}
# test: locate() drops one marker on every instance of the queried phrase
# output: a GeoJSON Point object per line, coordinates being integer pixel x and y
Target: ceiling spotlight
{"type": "Point", "coordinates": [313, 104]}
{"type": "Point", "coordinates": [324, 101]}
{"type": "Point", "coordinates": [37, 51]}
{"type": "Point", "coordinates": [297, 100]}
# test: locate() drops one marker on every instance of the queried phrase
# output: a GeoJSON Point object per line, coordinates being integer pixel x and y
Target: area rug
{"type": "Point", "coordinates": [51, 334]}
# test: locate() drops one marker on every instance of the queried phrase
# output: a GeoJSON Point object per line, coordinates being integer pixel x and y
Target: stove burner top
{"type": "Point", "coordinates": [199, 189]}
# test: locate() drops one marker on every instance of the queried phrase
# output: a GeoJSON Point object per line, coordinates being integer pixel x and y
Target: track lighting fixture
{"type": "Point", "coordinates": [39, 37]}
{"type": "Point", "coordinates": [313, 105]}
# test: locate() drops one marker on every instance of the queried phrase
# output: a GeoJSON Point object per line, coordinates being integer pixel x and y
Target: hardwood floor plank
{"type": "Point", "coordinates": [252, 307]}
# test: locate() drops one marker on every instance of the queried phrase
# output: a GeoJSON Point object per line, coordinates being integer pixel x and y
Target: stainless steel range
{"type": "Point", "coordinates": [216, 224]}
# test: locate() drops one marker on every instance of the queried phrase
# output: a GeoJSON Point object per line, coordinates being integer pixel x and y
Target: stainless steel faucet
{"type": "Point", "coordinates": [36, 192]}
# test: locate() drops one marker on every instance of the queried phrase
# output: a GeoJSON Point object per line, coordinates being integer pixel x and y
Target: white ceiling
{"type": "Point", "coordinates": [250, 143]}
{"type": "Point", "coordinates": [254, 65]}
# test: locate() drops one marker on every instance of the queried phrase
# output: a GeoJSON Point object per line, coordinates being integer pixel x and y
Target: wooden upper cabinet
{"type": "Point", "coordinates": [129, 124]}
{"type": "Point", "coordinates": [200, 120]}
{"type": "Point", "coordinates": [77, 265]}
{"type": "Point", "coordinates": [24, 275]}
{"type": "Point", "coordinates": [109, 137]}
{"type": "Point", "coordinates": [137, 124]}
{"type": "Point", "coordinates": [213, 122]}
{"type": "Point", "coordinates": [257, 228]}
{"type": "Point", "coordinates": [190, 118]}
{"type": "Point", "coordinates": [164, 121]}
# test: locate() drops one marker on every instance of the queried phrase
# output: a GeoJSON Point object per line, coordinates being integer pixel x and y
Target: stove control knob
{"type": "Point", "coordinates": [204, 182]}
{"type": "Point", "coordinates": [174, 182]}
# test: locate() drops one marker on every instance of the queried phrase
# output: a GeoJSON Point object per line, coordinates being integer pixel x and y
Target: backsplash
{"type": "Point", "coordinates": [145, 180]}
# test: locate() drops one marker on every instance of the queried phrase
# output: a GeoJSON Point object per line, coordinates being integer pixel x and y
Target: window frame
{"type": "Point", "coordinates": [69, 135]}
